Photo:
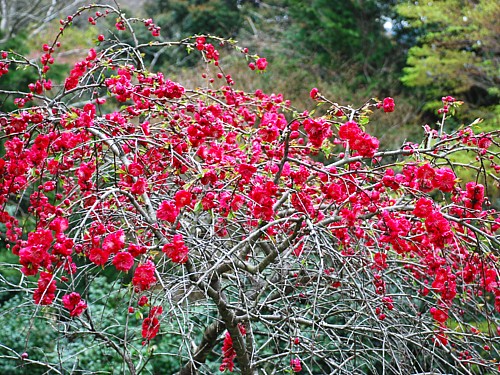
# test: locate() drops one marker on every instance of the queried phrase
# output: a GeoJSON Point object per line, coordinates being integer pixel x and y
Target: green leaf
{"type": "Point", "coordinates": [198, 207]}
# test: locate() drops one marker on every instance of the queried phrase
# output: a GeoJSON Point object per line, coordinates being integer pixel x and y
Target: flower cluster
{"type": "Point", "coordinates": [144, 276]}
{"type": "Point", "coordinates": [177, 251]}
{"type": "Point", "coordinates": [45, 293]}
{"type": "Point", "coordinates": [208, 49]}
{"type": "Point", "coordinates": [228, 352]}
{"type": "Point", "coordinates": [4, 68]}
{"type": "Point", "coordinates": [296, 365]}
{"type": "Point", "coordinates": [359, 141]}
{"type": "Point", "coordinates": [74, 303]}
{"type": "Point", "coordinates": [317, 131]}
{"type": "Point", "coordinates": [151, 324]}
{"type": "Point", "coordinates": [79, 70]}
{"type": "Point", "coordinates": [155, 29]}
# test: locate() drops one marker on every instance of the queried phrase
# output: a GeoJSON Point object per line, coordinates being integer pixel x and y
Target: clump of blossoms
{"type": "Point", "coordinates": [296, 365]}
{"type": "Point", "coordinates": [228, 352]}
{"type": "Point", "coordinates": [151, 324]}
{"type": "Point", "coordinates": [219, 210]}
{"type": "Point", "coordinates": [74, 303]}
{"type": "Point", "coordinates": [365, 144]}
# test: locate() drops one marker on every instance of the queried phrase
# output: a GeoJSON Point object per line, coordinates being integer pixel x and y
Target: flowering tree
{"type": "Point", "coordinates": [225, 233]}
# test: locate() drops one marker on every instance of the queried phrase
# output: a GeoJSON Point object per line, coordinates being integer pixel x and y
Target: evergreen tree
{"type": "Point", "coordinates": [458, 50]}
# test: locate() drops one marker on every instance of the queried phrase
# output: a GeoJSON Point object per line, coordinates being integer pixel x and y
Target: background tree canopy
{"type": "Point", "coordinates": [458, 50]}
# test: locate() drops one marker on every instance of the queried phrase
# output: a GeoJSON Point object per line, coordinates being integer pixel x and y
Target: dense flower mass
{"type": "Point", "coordinates": [225, 211]}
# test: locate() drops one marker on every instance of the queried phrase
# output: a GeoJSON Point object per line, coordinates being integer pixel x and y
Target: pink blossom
{"type": "Point", "coordinates": [182, 198]}
{"type": "Point", "coordinates": [123, 261]}
{"type": "Point", "coordinates": [167, 211]}
{"type": "Point", "coordinates": [177, 251]}
{"type": "Point", "coordinates": [388, 105]}
{"type": "Point", "coordinates": [261, 63]}
{"type": "Point", "coordinates": [114, 242]}
{"type": "Point", "coordinates": [144, 276]}
{"type": "Point", "coordinates": [296, 365]}
{"type": "Point", "coordinates": [74, 303]}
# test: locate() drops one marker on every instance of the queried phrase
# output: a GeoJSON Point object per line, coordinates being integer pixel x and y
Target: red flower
{"type": "Point", "coordinates": [74, 303]}
{"type": "Point", "coordinates": [167, 211]}
{"type": "Point", "coordinates": [114, 242]}
{"type": "Point", "coordinates": [261, 63]}
{"type": "Point", "coordinates": [365, 145]}
{"type": "Point", "coordinates": [425, 176]}
{"type": "Point", "coordinates": [317, 131]}
{"type": "Point", "coordinates": [209, 178]}
{"type": "Point", "coordinates": [440, 338]}
{"type": "Point", "coordinates": [144, 276]}
{"type": "Point", "coordinates": [262, 196]}
{"type": "Point", "coordinates": [151, 325]}
{"type": "Point", "coordinates": [444, 180]}
{"type": "Point", "coordinates": [423, 208]}
{"type": "Point", "coordinates": [142, 301]}
{"type": "Point", "coordinates": [438, 229]}
{"type": "Point", "coordinates": [71, 300]}
{"type": "Point", "coordinates": [246, 171]}
{"type": "Point", "coordinates": [445, 284]}
{"type": "Point", "coordinates": [380, 260]}
{"type": "Point", "coordinates": [135, 169]}
{"type": "Point", "coordinates": [98, 256]}
{"type": "Point", "coordinates": [301, 201]}
{"type": "Point", "coordinates": [388, 105]}
{"type": "Point", "coordinates": [84, 174]}
{"type": "Point", "coordinates": [75, 74]}
{"type": "Point", "coordinates": [296, 365]}
{"type": "Point", "coordinates": [439, 315]}
{"type": "Point", "coordinates": [490, 280]}
{"type": "Point", "coordinates": [176, 250]}
{"type": "Point", "coordinates": [91, 55]}
{"type": "Point", "coordinates": [45, 293]}
{"type": "Point", "coordinates": [484, 142]}
{"type": "Point", "coordinates": [349, 131]}
{"type": "Point", "coordinates": [182, 198]}
{"type": "Point", "coordinates": [59, 224]}
{"type": "Point", "coordinates": [139, 187]}
{"type": "Point", "coordinates": [136, 250]}
{"type": "Point", "coordinates": [120, 25]}
{"type": "Point", "coordinates": [228, 351]}
{"type": "Point", "coordinates": [35, 253]}
{"type": "Point", "coordinates": [300, 177]}
{"type": "Point", "coordinates": [123, 261]}
{"type": "Point", "coordinates": [474, 196]}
